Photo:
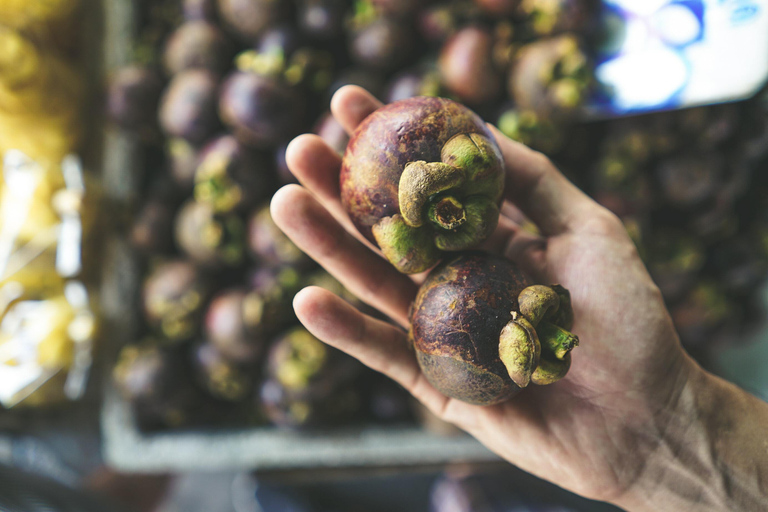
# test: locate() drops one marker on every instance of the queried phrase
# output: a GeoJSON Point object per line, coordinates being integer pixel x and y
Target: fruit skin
{"type": "Point", "coordinates": [269, 246]}
{"type": "Point", "coordinates": [455, 323]}
{"type": "Point", "coordinates": [551, 77]}
{"type": "Point", "coordinates": [133, 96]}
{"type": "Point", "coordinates": [309, 383]}
{"type": "Point", "coordinates": [158, 384]}
{"type": "Point", "coordinates": [467, 68]}
{"type": "Point", "coordinates": [195, 10]}
{"type": "Point", "coordinates": [152, 229]}
{"type": "Point", "coordinates": [188, 106]}
{"type": "Point", "coordinates": [232, 177]}
{"type": "Point", "coordinates": [197, 44]}
{"type": "Point", "coordinates": [385, 44]}
{"type": "Point", "coordinates": [240, 321]}
{"type": "Point", "coordinates": [220, 377]}
{"type": "Point", "coordinates": [173, 296]}
{"type": "Point", "coordinates": [395, 135]}
{"type": "Point", "coordinates": [261, 110]}
{"type": "Point", "coordinates": [210, 239]}
{"type": "Point", "coordinates": [249, 18]}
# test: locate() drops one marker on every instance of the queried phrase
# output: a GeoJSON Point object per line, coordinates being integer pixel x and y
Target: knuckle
{"type": "Point", "coordinates": [604, 223]}
{"type": "Point", "coordinates": [543, 163]}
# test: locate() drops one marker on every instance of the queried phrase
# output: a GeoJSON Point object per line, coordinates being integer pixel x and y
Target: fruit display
{"type": "Point", "coordinates": [47, 201]}
{"type": "Point", "coordinates": [218, 88]}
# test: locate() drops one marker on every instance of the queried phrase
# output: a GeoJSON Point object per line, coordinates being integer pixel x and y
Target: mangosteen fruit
{"type": "Point", "coordinates": [423, 81]}
{"type": "Point", "coordinates": [535, 131]}
{"type": "Point", "coordinates": [197, 44]}
{"type": "Point", "coordinates": [195, 10]}
{"type": "Point", "coordinates": [209, 238]}
{"type": "Point", "coordinates": [398, 7]}
{"type": "Point", "coordinates": [240, 322]}
{"type": "Point", "coordinates": [188, 106]}
{"type": "Point", "coordinates": [262, 111]}
{"type": "Point", "coordinates": [547, 17]}
{"type": "Point", "coordinates": [173, 294]}
{"type": "Point", "coordinates": [420, 177]}
{"type": "Point", "coordinates": [183, 159]}
{"type": "Point", "coordinates": [222, 378]}
{"type": "Point", "coordinates": [438, 22]}
{"type": "Point", "coordinates": [308, 382]}
{"type": "Point", "coordinates": [249, 18]}
{"type": "Point", "coordinates": [551, 77]}
{"type": "Point", "coordinates": [689, 180]}
{"type": "Point", "coordinates": [383, 43]}
{"type": "Point", "coordinates": [467, 68]}
{"type": "Point", "coordinates": [368, 79]}
{"type": "Point", "coordinates": [499, 7]}
{"type": "Point", "coordinates": [158, 385]}
{"type": "Point", "coordinates": [231, 176]}
{"type": "Point", "coordinates": [133, 96]}
{"type": "Point", "coordinates": [621, 185]}
{"type": "Point", "coordinates": [322, 19]}
{"type": "Point", "coordinates": [674, 260]}
{"type": "Point", "coordinates": [703, 313]}
{"type": "Point", "coordinates": [152, 230]}
{"type": "Point", "coordinates": [482, 331]}
{"type": "Point", "coordinates": [269, 245]}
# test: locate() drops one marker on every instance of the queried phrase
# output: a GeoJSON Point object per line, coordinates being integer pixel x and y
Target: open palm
{"type": "Point", "coordinates": [587, 432]}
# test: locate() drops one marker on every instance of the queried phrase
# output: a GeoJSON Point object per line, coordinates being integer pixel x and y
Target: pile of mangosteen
{"type": "Point", "coordinates": [218, 88]}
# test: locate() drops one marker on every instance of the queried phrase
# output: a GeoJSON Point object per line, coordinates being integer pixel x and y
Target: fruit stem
{"type": "Point", "coordinates": [447, 213]}
{"type": "Point", "coordinates": [555, 340]}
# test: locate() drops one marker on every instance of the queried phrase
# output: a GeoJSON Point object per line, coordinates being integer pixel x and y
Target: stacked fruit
{"type": "Point", "coordinates": [218, 89]}
{"type": "Point", "coordinates": [690, 187]}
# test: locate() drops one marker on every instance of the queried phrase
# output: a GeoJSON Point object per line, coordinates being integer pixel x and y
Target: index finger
{"type": "Point", "coordinates": [540, 191]}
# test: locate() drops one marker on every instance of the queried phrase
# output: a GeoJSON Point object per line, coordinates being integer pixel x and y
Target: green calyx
{"type": "Point", "coordinates": [447, 213]}
{"type": "Point", "coordinates": [213, 185]}
{"type": "Point", "coordinates": [225, 235]}
{"type": "Point", "coordinates": [519, 349]}
{"type": "Point", "coordinates": [411, 250]}
{"type": "Point", "coordinates": [304, 357]}
{"type": "Point", "coordinates": [535, 346]}
{"type": "Point", "coordinates": [451, 205]}
{"type": "Point", "coordinates": [568, 77]}
{"type": "Point", "coordinates": [544, 15]}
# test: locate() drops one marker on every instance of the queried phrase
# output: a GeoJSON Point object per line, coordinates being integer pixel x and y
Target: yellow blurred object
{"type": "Point", "coordinates": [41, 336]}
{"type": "Point", "coordinates": [40, 100]}
{"type": "Point", "coordinates": [46, 321]}
{"type": "Point", "coordinates": [43, 20]}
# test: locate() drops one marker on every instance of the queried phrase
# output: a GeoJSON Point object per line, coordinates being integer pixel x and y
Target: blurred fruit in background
{"type": "Point", "coordinates": [220, 87]}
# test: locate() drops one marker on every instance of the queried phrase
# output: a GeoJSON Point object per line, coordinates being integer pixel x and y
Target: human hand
{"type": "Point", "coordinates": [590, 432]}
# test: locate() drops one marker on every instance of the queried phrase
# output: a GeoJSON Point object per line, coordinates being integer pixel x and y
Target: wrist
{"type": "Point", "coordinates": [711, 447]}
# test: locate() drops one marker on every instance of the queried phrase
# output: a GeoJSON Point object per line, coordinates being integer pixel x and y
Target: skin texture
{"type": "Point", "coordinates": [635, 422]}
{"type": "Point", "coordinates": [188, 106]}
